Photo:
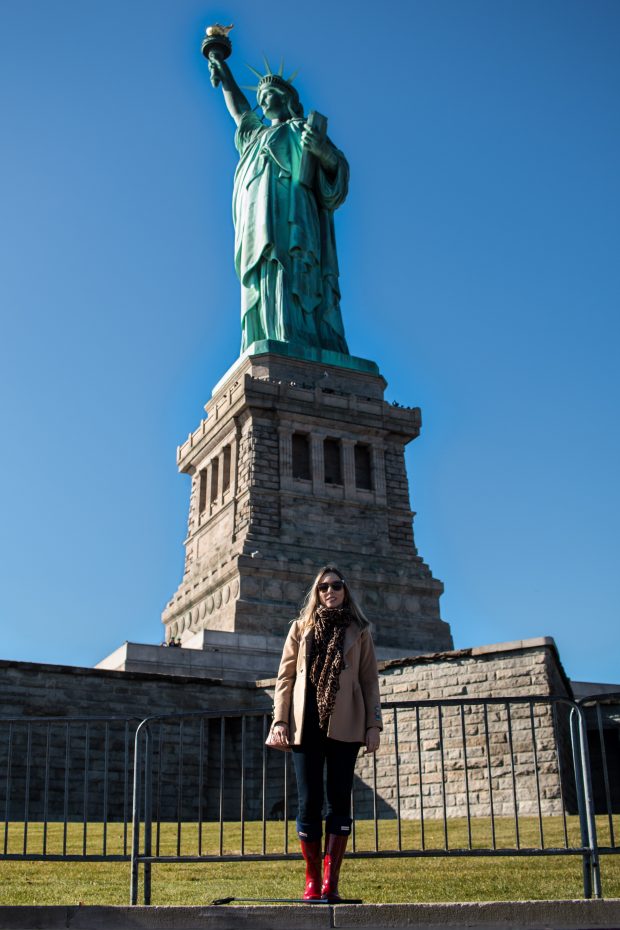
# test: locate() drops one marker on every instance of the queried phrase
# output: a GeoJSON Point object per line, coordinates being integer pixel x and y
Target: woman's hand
{"type": "Point", "coordinates": [280, 734]}
{"type": "Point", "coordinates": [373, 738]}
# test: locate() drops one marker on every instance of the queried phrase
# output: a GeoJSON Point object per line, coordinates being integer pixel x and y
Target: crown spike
{"type": "Point", "coordinates": [267, 65]}
{"type": "Point", "coordinates": [293, 75]}
{"type": "Point", "coordinates": [254, 71]}
{"type": "Point", "coordinates": [253, 87]}
{"type": "Point", "coordinates": [281, 68]}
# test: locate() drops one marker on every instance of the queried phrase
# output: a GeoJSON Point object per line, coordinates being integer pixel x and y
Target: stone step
{"type": "Point", "coordinates": [507, 915]}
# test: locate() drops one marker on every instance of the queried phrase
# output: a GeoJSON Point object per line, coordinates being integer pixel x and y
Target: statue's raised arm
{"type": "Point", "coordinates": [289, 180]}
{"type": "Point", "coordinates": [216, 47]}
{"type": "Point", "coordinates": [236, 100]}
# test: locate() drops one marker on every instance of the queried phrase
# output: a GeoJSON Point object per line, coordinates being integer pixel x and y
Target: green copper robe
{"type": "Point", "coordinates": [285, 247]}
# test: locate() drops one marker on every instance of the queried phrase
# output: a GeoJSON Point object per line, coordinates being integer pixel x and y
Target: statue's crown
{"type": "Point", "coordinates": [277, 80]}
{"type": "Point", "coordinates": [273, 79]}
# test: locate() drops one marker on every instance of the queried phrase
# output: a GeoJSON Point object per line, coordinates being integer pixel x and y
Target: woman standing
{"type": "Point", "coordinates": [326, 706]}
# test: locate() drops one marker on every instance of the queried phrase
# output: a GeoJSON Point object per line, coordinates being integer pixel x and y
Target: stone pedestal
{"type": "Point", "coordinates": [300, 463]}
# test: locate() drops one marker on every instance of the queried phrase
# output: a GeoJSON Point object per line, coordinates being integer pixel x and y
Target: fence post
{"type": "Point", "coordinates": [581, 804]}
{"type": "Point", "coordinates": [589, 805]}
{"type": "Point", "coordinates": [135, 818]}
{"type": "Point", "coordinates": [148, 812]}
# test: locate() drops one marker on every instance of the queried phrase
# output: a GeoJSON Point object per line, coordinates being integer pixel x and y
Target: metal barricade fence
{"type": "Point", "coordinates": [66, 787]}
{"type": "Point", "coordinates": [507, 776]}
{"type": "Point", "coordinates": [502, 776]}
{"type": "Point", "coordinates": [602, 719]}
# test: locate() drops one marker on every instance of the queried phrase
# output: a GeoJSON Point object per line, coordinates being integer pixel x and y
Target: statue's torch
{"type": "Point", "coordinates": [216, 46]}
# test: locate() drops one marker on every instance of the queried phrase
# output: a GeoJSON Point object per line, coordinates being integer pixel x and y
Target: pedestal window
{"type": "Point", "coordinates": [226, 459]}
{"type": "Point", "coordinates": [301, 456]}
{"type": "Point", "coordinates": [363, 467]}
{"type": "Point", "coordinates": [202, 492]}
{"type": "Point", "coordinates": [332, 461]}
{"type": "Point", "coordinates": [215, 467]}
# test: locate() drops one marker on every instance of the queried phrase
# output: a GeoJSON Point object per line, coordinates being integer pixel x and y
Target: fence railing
{"type": "Point", "coordinates": [66, 787]}
{"type": "Point", "coordinates": [461, 777]}
{"type": "Point", "coordinates": [602, 720]}
{"type": "Point", "coordinates": [507, 776]}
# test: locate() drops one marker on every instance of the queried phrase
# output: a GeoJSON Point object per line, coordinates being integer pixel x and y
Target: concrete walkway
{"type": "Point", "coordinates": [503, 915]}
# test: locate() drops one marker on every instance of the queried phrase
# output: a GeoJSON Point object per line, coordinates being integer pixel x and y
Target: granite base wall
{"type": "Point", "coordinates": [533, 759]}
{"type": "Point", "coordinates": [484, 760]}
{"type": "Point", "coordinates": [473, 760]}
{"type": "Point", "coordinates": [30, 690]}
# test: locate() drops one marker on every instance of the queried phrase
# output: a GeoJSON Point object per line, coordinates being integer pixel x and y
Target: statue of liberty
{"type": "Point", "coordinates": [289, 180]}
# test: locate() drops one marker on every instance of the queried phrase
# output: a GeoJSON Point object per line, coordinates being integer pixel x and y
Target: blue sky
{"type": "Point", "coordinates": [479, 267]}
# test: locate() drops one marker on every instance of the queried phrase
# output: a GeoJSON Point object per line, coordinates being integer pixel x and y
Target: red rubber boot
{"type": "Point", "coordinates": [312, 854]}
{"type": "Point", "coordinates": [334, 854]}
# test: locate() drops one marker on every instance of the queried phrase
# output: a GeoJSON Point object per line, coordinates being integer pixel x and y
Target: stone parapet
{"type": "Point", "coordinates": [206, 654]}
{"type": "Point", "coordinates": [32, 689]}
{"type": "Point", "coordinates": [209, 654]}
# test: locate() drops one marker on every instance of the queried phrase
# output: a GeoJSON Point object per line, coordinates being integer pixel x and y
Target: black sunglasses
{"type": "Point", "coordinates": [326, 585]}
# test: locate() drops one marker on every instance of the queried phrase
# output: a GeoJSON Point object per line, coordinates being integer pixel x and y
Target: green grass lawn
{"type": "Point", "coordinates": [376, 880]}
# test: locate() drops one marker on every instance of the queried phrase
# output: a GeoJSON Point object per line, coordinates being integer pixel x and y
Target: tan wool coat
{"type": "Point", "coordinates": [357, 705]}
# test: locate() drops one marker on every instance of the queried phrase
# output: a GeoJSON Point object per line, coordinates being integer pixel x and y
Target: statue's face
{"type": "Point", "coordinates": [273, 103]}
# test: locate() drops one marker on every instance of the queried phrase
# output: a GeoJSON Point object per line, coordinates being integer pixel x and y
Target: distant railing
{"type": "Point", "coordinates": [507, 776]}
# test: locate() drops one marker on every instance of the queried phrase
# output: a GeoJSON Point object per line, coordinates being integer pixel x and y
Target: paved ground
{"type": "Point", "coordinates": [504, 915]}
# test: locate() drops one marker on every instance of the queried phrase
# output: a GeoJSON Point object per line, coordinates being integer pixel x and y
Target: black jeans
{"type": "Point", "coordinates": [315, 753]}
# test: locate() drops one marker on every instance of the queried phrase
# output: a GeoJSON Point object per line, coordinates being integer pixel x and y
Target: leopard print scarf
{"type": "Point", "coordinates": [327, 657]}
